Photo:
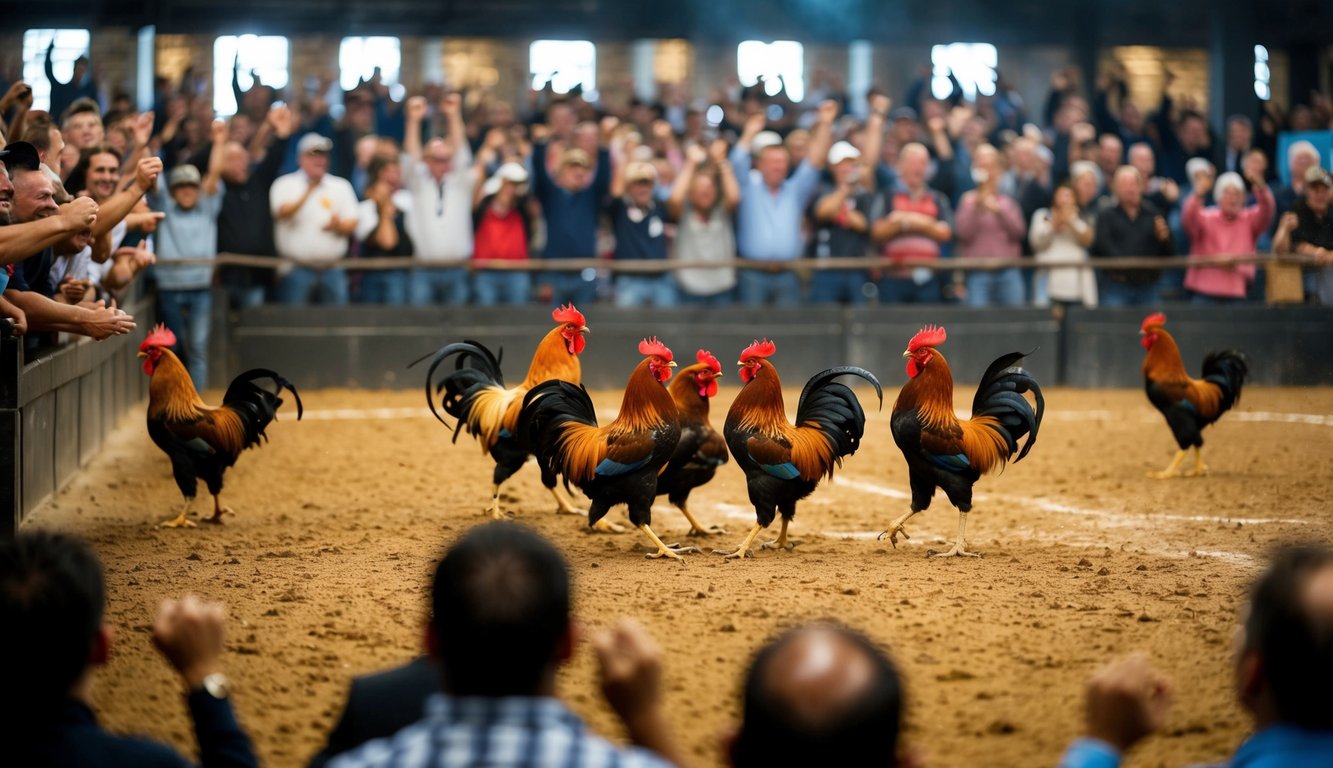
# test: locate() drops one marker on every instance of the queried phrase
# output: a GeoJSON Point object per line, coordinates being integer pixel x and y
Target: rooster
{"type": "Point", "coordinates": [618, 463]}
{"type": "Point", "coordinates": [475, 395]}
{"type": "Point", "coordinates": [946, 452]}
{"type": "Point", "coordinates": [203, 441]}
{"type": "Point", "coordinates": [701, 449]}
{"type": "Point", "coordinates": [1188, 404]}
{"type": "Point", "coordinates": [783, 462]}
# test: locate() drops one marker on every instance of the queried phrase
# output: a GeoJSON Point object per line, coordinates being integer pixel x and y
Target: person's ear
{"type": "Point", "coordinates": [910, 757]}
{"type": "Point", "coordinates": [1249, 680]}
{"type": "Point", "coordinates": [729, 738]}
{"type": "Point", "coordinates": [100, 653]}
{"type": "Point", "coordinates": [568, 642]}
{"type": "Point", "coordinates": [431, 640]}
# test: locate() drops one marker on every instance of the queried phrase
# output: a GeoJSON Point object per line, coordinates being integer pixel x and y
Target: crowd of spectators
{"type": "Point", "coordinates": [501, 625]}
{"type": "Point", "coordinates": [478, 192]}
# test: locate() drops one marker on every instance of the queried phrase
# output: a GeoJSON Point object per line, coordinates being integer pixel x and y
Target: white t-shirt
{"type": "Point", "coordinates": [303, 236]}
{"type": "Point", "coordinates": [441, 221]}
{"type": "Point", "coordinates": [368, 218]}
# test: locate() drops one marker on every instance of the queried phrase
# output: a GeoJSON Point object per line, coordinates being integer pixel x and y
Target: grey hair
{"type": "Point", "coordinates": [1086, 166]}
{"type": "Point", "coordinates": [1225, 181]}
{"type": "Point", "coordinates": [1302, 148]}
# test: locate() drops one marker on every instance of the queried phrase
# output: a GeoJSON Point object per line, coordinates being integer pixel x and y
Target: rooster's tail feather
{"type": "Point", "coordinates": [475, 369]}
{"type": "Point", "coordinates": [1227, 369]}
{"type": "Point", "coordinates": [256, 406]}
{"type": "Point", "coordinates": [1000, 397]}
{"type": "Point", "coordinates": [834, 411]}
{"type": "Point", "coordinates": [553, 417]}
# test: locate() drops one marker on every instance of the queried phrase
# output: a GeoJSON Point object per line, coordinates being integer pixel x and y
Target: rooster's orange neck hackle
{"type": "Point", "coordinates": [1162, 363]}
{"type": "Point", "coordinates": [929, 388]}
{"type": "Point", "coordinates": [694, 385]}
{"type": "Point", "coordinates": [759, 405]}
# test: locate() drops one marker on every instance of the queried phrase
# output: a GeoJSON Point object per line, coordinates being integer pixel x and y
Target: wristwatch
{"type": "Point", "coordinates": [216, 685]}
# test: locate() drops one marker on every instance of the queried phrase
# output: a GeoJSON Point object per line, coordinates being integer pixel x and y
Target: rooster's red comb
{"type": "Point", "coordinates": [763, 348]}
{"type": "Point", "coordinates": [707, 358]}
{"type": "Point", "coordinates": [161, 336]}
{"type": "Point", "coordinates": [930, 336]}
{"type": "Point", "coordinates": [568, 314]}
{"type": "Point", "coordinates": [1157, 319]}
{"type": "Point", "coordinates": [653, 347]}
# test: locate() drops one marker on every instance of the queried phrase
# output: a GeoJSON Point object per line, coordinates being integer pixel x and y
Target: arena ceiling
{"type": "Point", "coordinates": [1036, 22]}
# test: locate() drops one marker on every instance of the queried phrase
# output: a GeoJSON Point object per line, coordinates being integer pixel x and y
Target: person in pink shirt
{"type": "Point", "coordinates": [1228, 231]}
{"type": "Point", "coordinates": [990, 225]}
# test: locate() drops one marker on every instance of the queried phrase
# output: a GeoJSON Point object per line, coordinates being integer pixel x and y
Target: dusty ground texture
{"type": "Point", "coordinates": [325, 570]}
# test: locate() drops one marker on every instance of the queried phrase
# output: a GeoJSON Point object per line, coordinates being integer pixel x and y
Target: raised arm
{"type": "Point", "coordinates": [20, 241]}
{"type": "Point", "coordinates": [119, 205]}
{"type": "Point", "coordinates": [731, 188]}
{"type": "Point", "coordinates": [694, 157]}
{"type": "Point", "coordinates": [874, 141]}
{"type": "Point", "coordinates": [821, 138]}
{"type": "Point", "coordinates": [209, 185]}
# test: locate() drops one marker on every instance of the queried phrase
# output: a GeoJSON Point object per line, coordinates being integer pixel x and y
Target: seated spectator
{"type": "Point", "coordinates": [500, 629]}
{"type": "Point", "coordinates": [1283, 672]}
{"type": "Point", "coordinates": [1227, 231]}
{"type": "Point", "coordinates": [917, 223]}
{"type": "Point", "coordinates": [702, 201]}
{"type": "Point", "coordinates": [1134, 227]}
{"type": "Point", "coordinates": [820, 695]}
{"type": "Point", "coordinates": [503, 229]}
{"type": "Point", "coordinates": [990, 226]}
{"type": "Point", "coordinates": [639, 225]}
{"type": "Point", "coordinates": [1308, 230]}
{"type": "Point", "coordinates": [52, 604]}
{"type": "Point", "coordinates": [384, 229]}
{"type": "Point", "coordinates": [1062, 233]}
{"type": "Point", "coordinates": [314, 212]}
{"type": "Point", "coordinates": [381, 704]}
{"type": "Point", "coordinates": [439, 176]}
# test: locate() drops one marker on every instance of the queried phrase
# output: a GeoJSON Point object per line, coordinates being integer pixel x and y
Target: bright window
{"type": "Point", "coordinates": [70, 45]}
{"type": "Point", "coordinates": [972, 64]}
{"type": "Point", "coordinates": [780, 63]}
{"type": "Point", "coordinates": [359, 56]}
{"type": "Point", "coordinates": [564, 64]}
{"type": "Point", "coordinates": [266, 56]}
{"type": "Point", "coordinates": [1262, 74]}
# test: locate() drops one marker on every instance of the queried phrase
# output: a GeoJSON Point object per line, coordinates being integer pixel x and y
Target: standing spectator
{"type": "Point", "coordinates": [314, 213]}
{"type": "Point", "coordinates": [1228, 231]}
{"type": "Point", "coordinates": [503, 231]}
{"type": "Point", "coordinates": [639, 225]}
{"type": "Point", "coordinates": [1110, 153]}
{"type": "Point", "coordinates": [384, 229]}
{"type": "Point", "coordinates": [1086, 179]}
{"type": "Point", "coordinates": [1062, 233]}
{"type": "Point", "coordinates": [768, 221]}
{"type": "Point", "coordinates": [1130, 227]}
{"type": "Point", "coordinates": [1179, 139]}
{"type": "Point", "coordinates": [702, 201]}
{"type": "Point", "coordinates": [440, 179]}
{"type": "Point", "coordinates": [81, 126]}
{"type": "Point", "coordinates": [571, 204]}
{"type": "Point", "coordinates": [917, 224]}
{"type": "Point", "coordinates": [990, 226]}
{"type": "Point", "coordinates": [245, 225]}
{"type": "Point", "coordinates": [1240, 138]}
{"type": "Point", "coordinates": [81, 84]}
{"type": "Point", "coordinates": [1308, 230]}
{"type": "Point", "coordinates": [1161, 191]}
{"type": "Point", "coordinates": [842, 216]}
{"type": "Point", "coordinates": [190, 231]}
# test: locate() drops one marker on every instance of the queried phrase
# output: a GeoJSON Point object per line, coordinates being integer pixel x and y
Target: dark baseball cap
{"type": "Point", "coordinates": [20, 155]}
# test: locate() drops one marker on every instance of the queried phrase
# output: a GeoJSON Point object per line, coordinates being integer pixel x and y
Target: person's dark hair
{"type": "Point", "coordinates": [78, 176]}
{"type": "Point", "coordinates": [1295, 645]}
{"type": "Point", "coordinates": [865, 732]}
{"type": "Point", "coordinates": [377, 165]}
{"type": "Point", "coordinates": [501, 602]}
{"type": "Point", "coordinates": [79, 106]}
{"type": "Point", "coordinates": [51, 603]}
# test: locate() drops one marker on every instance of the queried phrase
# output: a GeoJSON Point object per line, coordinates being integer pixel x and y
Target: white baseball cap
{"type": "Point", "coordinates": [764, 139]}
{"type": "Point", "coordinates": [842, 151]}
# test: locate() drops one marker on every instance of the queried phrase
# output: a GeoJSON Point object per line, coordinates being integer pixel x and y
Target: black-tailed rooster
{"type": "Point", "coordinates": [783, 463]}
{"type": "Point", "coordinates": [949, 453]}
{"type": "Point", "coordinates": [618, 463]}
{"type": "Point", "coordinates": [1188, 404]}
{"type": "Point", "coordinates": [475, 395]}
{"type": "Point", "coordinates": [701, 449]}
{"type": "Point", "coordinates": [203, 441]}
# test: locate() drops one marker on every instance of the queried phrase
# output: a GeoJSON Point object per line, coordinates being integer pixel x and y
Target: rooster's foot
{"type": "Point", "coordinates": [956, 551]}
{"type": "Point", "coordinates": [779, 544]}
{"type": "Point", "coordinates": [672, 551]}
{"type": "Point", "coordinates": [606, 526]}
{"type": "Point", "coordinates": [497, 514]}
{"type": "Point", "coordinates": [711, 530]}
{"type": "Point", "coordinates": [1163, 475]}
{"type": "Point", "coordinates": [892, 535]}
{"type": "Point", "coordinates": [179, 522]}
{"type": "Point", "coordinates": [735, 554]}
{"type": "Point", "coordinates": [1199, 471]}
{"type": "Point", "coordinates": [564, 510]}
{"type": "Point", "coordinates": [216, 519]}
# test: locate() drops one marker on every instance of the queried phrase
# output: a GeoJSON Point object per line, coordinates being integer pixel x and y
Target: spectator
{"type": "Point", "coordinates": [1132, 227]}
{"type": "Point", "coordinates": [702, 201]}
{"type": "Point", "coordinates": [990, 226]}
{"type": "Point", "coordinates": [1086, 179]}
{"type": "Point", "coordinates": [81, 125]}
{"type": "Point", "coordinates": [1110, 153]}
{"type": "Point", "coordinates": [503, 231]}
{"type": "Point", "coordinates": [1240, 139]}
{"type": "Point", "coordinates": [500, 628]}
{"type": "Point", "coordinates": [819, 692]}
{"type": "Point", "coordinates": [768, 221]}
{"type": "Point", "coordinates": [81, 84]}
{"type": "Point", "coordinates": [1062, 234]}
{"type": "Point", "coordinates": [245, 225]}
{"type": "Point", "coordinates": [1181, 138]}
{"type": "Point", "coordinates": [1283, 671]}
{"type": "Point", "coordinates": [380, 704]}
{"type": "Point", "coordinates": [1308, 230]}
{"type": "Point", "coordinates": [1227, 231]}
{"type": "Point", "coordinates": [1162, 192]}
{"type": "Point", "coordinates": [384, 229]}
{"type": "Point", "coordinates": [314, 212]}
{"type": "Point", "coordinates": [639, 225]}
{"type": "Point", "coordinates": [440, 179]}
{"type": "Point", "coordinates": [571, 203]}
{"type": "Point", "coordinates": [190, 232]}
{"type": "Point", "coordinates": [842, 213]}
{"type": "Point", "coordinates": [104, 265]}
{"type": "Point", "coordinates": [52, 603]}
{"type": "Point", "coordinates": [917, 223]}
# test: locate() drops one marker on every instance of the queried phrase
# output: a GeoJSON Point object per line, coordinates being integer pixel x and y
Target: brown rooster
{"type": "Point", "coordinates": [784, 462]}
{"type": "Point", "coordinates": [618, 463]}
{"type": "Point", "coordinates": [701, 449]}
{"type": "Point", "coordinates": [202, 441]}
{"type": "Point", "coordinates": [1188, 404]}
{"type": "Point", "coordinates": [475, 395]}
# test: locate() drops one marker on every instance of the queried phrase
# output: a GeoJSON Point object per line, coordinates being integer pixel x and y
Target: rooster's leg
{"type": "Point", "coordinates": [218, 511]}
{"type": "Point", "coordinates": [664, 550]}
{"type": "Point", "coordinates": [695, 528]}
{"type": "Point", "coordinates": [606, 526]}
{"type": "Point", "coordinates": [957, 550]}
{"type": "Point", "coordinates": [781, 541]}
{"type": "Point", "coordinates": [1200, 469]}
{"type": "Point", "coordinates": [743, 550]}
{"type": "Point", "coordinates": [565, 506]}
{"type": "Point", "coordinates": [1171, 471]}
{"type": "Point", "coordinates": [180, 521]}
{"type": "Point", "coordinates": [494, 509]}
{"type": "Point", "coordinates": [897, 528]}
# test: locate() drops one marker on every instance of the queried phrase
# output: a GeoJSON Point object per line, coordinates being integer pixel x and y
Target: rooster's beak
{"type": "Point", "coordinates": [907, 353]}
{"type": "Point", "coordinates": [671, 363]}
{"type": "Point", "coordinates": [142, 354]}
{"type": "Point", "coordinates": [584, 329]}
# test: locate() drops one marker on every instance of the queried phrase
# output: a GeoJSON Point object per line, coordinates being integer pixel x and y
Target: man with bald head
{"type": "Point", "coordinates": [245, 225]}
{"type": "Point", "coordinates": [820, 695]}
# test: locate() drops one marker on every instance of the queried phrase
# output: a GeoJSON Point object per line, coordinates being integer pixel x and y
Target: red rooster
{"type": "Point", "coordinates": [476, 396]}
{"type": "Point", "coordinates": [618, 463]}
{"type": "Point", "coordinates": [203, 441]}
{"type": "Point", "coordinates": [946, 452]}
{"type": "Point", "coordinates": [701, 449]}
{"type": "Point", "coordinates": [783, 462]}
{"type": "Point", "coordinates": [1188, 404]}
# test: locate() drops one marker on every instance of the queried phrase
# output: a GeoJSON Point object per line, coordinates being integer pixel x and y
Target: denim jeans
{"type": "Point", "coordinates": [1115, 294]}
{"type": "Point", "coordinates": [720, 299]}
{"type": "Point", "coordinates": [245, 287]}
{"type": "Point", "coordinates": [1203, 299]}
{"type": "Point", "coordinates": [330, 285]}
{"type": "Point", "coordinates": [839, 287]}
{"type": "Point", "coordinates": [646, 290]}
{"type": "Point", "coordinates": [447, 285]}
{"type": "Point", "coordinates": [492, 287]}
{"type": "Point", "coordinates": [905, 290]}
{"type": "Point", "coordinates": [384, 286]}
{"type": "Point", "coordinates": [998, 288]}
{"type": "Point", "coordinates": [189, 315]}
{"type": "Point", "coordinates": [571, 287]}
{"type": "Point", "coordinates": [781, 289]}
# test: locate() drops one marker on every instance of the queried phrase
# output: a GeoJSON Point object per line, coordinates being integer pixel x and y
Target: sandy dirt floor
{"type": "Point", "coordinates": [340, 517]}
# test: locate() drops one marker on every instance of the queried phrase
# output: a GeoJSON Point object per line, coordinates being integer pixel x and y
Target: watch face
{"type": "Point", "coordinates": [217, 686]}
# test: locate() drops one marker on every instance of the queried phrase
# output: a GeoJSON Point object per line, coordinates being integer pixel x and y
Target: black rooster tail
{"type": "Point", "coordinates": [834, 409]}
{"type": "Point", "coordinates": [1227, 369]}
{"type": "Point", "coordinates": [258, 406]}
{"type": "Point", "coordinates": [476, 367]}
{"type": "Point", "coordinates": [546, 408]}
{"type": "Point", "coordinates": [1000, 395]}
